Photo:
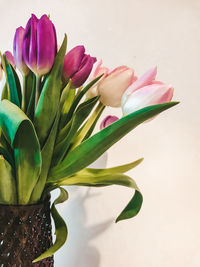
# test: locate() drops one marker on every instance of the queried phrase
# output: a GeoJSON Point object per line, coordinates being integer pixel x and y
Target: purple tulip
{"type": "Point", "coordinates": [17, 51]}
{"type": "Point", "coordinates": [107, 121]}
{"type": "Point", "coordinates": [77, 66]}
{"type": "Point", "coordinates": [39, 44]}
{"type": "Point", "coordinates": [10, 58]}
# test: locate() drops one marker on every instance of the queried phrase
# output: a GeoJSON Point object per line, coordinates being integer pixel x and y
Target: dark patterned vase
{"type": "Point", "coordinates": [25, 233]}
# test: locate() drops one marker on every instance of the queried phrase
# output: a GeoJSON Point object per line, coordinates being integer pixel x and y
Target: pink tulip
{"type": "Point", "coordinates": [98, 71]}
{"type": "Point", "coordinates": [107, 121]}
{"type": "Point", "coordinates": [146, 91]}
{"type": "Point", "coordinates": [18, 49]}
{"type": "Point", "coordinates": [10, 58]}
{"type": "Point", "coordinates": [113, 86]}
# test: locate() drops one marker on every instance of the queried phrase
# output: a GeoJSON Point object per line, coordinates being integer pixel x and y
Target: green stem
{"type": "Point", "coordinates": [38, 89]}
{"type": "Point", "coordinates": [24, 95]}
{"type": "Point", "coordinates": [87, 125]}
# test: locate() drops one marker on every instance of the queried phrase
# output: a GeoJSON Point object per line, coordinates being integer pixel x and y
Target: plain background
{"type": "Point", "coordinates": [139, 34]}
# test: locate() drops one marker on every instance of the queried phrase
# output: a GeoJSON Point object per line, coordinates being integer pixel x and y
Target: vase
{"type": "Point", "coordinates": [25, 233]}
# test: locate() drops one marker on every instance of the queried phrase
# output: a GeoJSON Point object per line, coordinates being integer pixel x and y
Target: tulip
{"type": "Point", "coordinates": [10, 58]}
{"type": "Point", "coordinates": [112, 87]}
{"type": "Point", "coordinates": [17, 51]}
{"type": "Point", "coordinates": [39, 45]}
{"type": "Point", "coordinates": [98, 71]}
{"type": "Point", "coordinates": [107, 121]}
{"type": "Point", "coordinates": [77, 66]}
{"type": "Point", "coordinates": [146, 91]}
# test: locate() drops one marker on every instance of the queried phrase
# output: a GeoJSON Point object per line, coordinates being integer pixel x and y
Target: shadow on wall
{"type": "Point", "coordinates": [79, 250]}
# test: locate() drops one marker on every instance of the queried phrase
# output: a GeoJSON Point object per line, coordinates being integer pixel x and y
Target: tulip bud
{"type": "Point", "coordinates": [77, 66]}
{"type": "Point", "coordinates": [97, 72]}
{"type": "Point", "coordinates": [145, 92]}
{"type": "Point", "coordinates": [112, 87]}
{"type": "Point", "coordinates": [10, 58]}
{"type": "Point", "coordinates": [18, 49]}
{"type": "Point", "coordinates": [107, 121]}
{"type": "Point", "coordinates": [39, 44]}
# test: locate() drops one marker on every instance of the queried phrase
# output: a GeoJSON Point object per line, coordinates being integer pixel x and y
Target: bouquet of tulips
{"type": "Point", "coordinates": [47, 121]}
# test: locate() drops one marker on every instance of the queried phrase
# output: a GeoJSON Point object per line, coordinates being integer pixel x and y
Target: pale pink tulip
{"type": "Point", "coordinates": [146, 91]}
{"type": "Point", "coordinates": [97, 72]}
{"type": "Point", "coordinates": [107, 121]}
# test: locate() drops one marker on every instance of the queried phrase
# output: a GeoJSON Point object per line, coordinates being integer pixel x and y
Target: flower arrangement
{"type": "Point", "coordinates": [47, 122]}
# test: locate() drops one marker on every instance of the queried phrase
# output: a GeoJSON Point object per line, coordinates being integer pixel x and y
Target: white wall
{"type": "Point", "coordinates": [139, 34]}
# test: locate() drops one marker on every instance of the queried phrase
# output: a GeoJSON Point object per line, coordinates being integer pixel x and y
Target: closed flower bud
{"type": "Point", "coordinates": [107, 121]}
{"type": "Point", "coordinates": [10, 58]}
{"type": "Point", "coordinates": [146, 91]}
{"type": "Point", "coordinates": [77, 66]}
{"type": "Point", "coordinates": [39, 44]}
{"type": "Point", "coordinates": [112, 87]}
{"type": "Point", "coordinates": [18, 51]}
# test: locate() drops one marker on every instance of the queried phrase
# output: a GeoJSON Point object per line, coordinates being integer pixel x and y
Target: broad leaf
{"type": "Point", "coordinates": [47, 152]}
{"type": "Point", "coordinates": [10, 82]}
{"type": "Point", "coordinates": [49, 100]}
{"type": "Point", "coordinates": [60, 226]}
{"type": "Point", "coordinates": [92, 178]}
{"type": "Point", "coordinates": [92, 148]}
{"type": "Point", "coordinates": [7, 156]}
{"type": "Point", "coordinates": [18, 85]}
{"type": "Point", "coordinates": [8, 193]}
{"type": "Point", "coordinates": [20, 133]}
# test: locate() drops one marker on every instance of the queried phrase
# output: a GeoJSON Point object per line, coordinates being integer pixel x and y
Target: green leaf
{"type": "Point", "coordinates": [49, 100]}
{"type": "Point", "coordinates": [18, 85]}
{"type": "Point", "coordinates": [7, 156]}
{"type": "Point", "coordinates": [79, 117]}
{"type": "Point", "coordinates": [92, 148]}
{"type": "Point", "coordinates": [8, 193]}
{"type": "Point", "coordinates": [91, 177]}
{"type": "Point", "coordinates": [119, 169]}
{"type": "Point", "coordinates": [47, 152]}
{"type": "Point", "coordinates": [79, 97]}
{"type": "Point", "coordinates": [60, 226]}
{"type": "Point", "coordinates": [31, 103]}
{"type": "Point", "coordinates": [5, 93]}
{"type": "Point", "coordinates": [28, 99]}
{"type": "Point", "coordinates": [20, 133]}
{"type": "Point", "coordinates": [11, 83]}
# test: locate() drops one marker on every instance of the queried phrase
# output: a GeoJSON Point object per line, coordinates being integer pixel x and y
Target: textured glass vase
{"type": "Point", "coordinates": [25, 233]}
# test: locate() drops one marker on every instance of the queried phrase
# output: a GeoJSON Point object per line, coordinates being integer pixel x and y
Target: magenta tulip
{"type": "Point", "coordinates": [146, 91]}
{"type": "Point", "coordinates": [107, 121]}
{"type": "Point", "coordinates": [39, 44]}
{"type": "Point", "coordinates": [77, 66]}
{"type": "Point", "coordinates": [10, 58]}
{"type": "Point", "coordinates": [18, 49]}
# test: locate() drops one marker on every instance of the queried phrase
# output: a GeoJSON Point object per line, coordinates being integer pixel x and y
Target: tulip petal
{"type": "Point", "coordinates": [83, 73]}
{"type": "Point", "coordinates": [10, 58]}
{"type": "Point", "coordinates": [107, 121]}
{"type": "Point", "coordinates": [144, 80]}
{"type": "Point", "coordinates": [113, 86]}
{"type": "Point", "coordinates": [30, 42]}
{"type": "Point", "coordinates": [100, 70]}
{"type": "Point", "coordinates": [73, 61]}
{"type": "Point", "coordinates": [46, 45]}
{"type": "Point", "coordinates": [147, 96]}
{"type": "Point", "coordinates": [18, 49]}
